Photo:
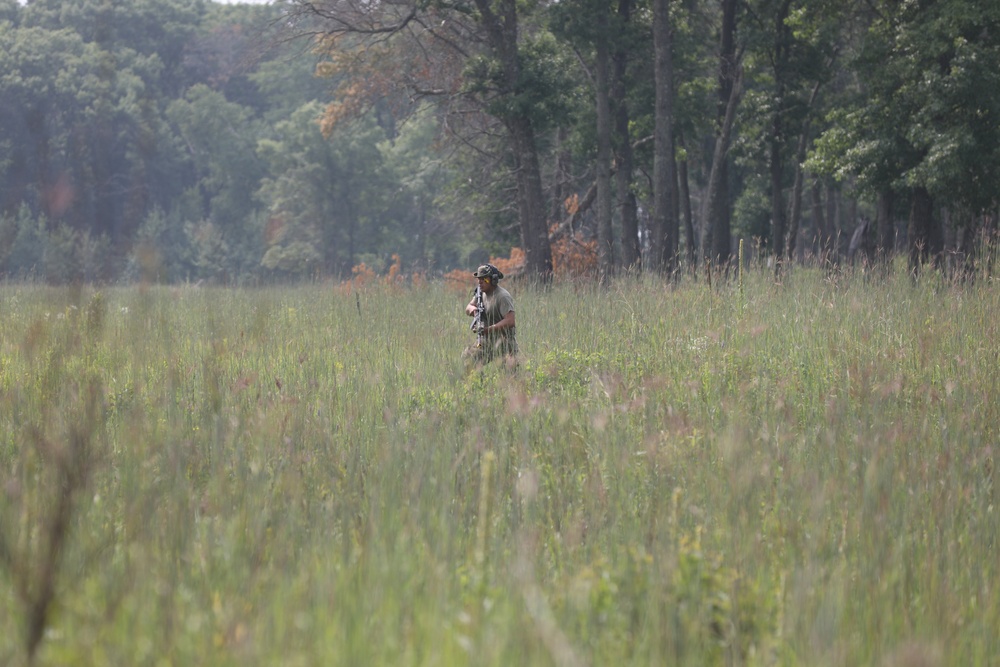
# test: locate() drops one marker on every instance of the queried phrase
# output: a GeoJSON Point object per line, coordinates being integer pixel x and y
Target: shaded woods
{"type": "Point", "coordinates": [185, 141]}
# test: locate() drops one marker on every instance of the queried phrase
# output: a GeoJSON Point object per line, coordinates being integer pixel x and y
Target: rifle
{"type": "Point", "coordinates": [477, 319]}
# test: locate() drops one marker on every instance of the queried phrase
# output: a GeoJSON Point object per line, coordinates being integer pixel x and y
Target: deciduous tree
{"type": "Point", "coordinates": [927, 126]}
{"type": "Point", "coordinates": [477, 49]}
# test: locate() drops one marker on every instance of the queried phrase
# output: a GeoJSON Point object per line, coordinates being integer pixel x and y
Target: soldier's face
{"type": "Point", "coordinates": [486, 285]}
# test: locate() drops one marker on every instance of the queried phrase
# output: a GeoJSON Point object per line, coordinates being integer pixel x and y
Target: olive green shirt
{"type": "Point", "coordinates": [495, 308]}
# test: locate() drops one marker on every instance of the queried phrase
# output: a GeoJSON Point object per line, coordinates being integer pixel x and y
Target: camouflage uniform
{"type": "Point", "coordinates": [497, 303]}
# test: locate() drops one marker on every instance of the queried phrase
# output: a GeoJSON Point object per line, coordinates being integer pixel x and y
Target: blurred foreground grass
{"type": "Point", "coordinates": [772, 474]}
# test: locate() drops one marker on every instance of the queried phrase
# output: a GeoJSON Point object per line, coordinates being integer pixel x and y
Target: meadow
{"type": "Point", "coordinates": [756, 473]}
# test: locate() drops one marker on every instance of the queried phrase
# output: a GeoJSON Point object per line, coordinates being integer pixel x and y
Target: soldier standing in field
{"type": "Point", "coordinates": [492, 308]}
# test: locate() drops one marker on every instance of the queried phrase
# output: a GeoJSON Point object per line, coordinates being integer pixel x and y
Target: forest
{"type": "Point", "coordinates": [167, 141]}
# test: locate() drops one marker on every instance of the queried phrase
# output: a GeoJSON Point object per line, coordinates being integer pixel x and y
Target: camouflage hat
{"type": "Point", "coordinates": [488, 271]}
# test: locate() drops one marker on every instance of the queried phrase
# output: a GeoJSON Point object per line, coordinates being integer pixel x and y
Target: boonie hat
{"type": "Point", "coordinates": [488, 271]}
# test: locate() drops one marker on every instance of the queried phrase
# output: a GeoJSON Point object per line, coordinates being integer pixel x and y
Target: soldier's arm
{"type": "Point", "coordinates": [506, 323]}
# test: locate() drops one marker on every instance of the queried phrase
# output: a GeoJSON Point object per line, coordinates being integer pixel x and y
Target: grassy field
{"type": "Point", "coordinates": [764, 474]}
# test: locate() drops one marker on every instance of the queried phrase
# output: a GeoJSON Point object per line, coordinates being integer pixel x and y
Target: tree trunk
{"type": "Point", "coordinates": [675, 206]}
{"type": "Point", "coordinates": [819, 221]}
{"type": "Point", "coordinates": [664, 226]}
{"type": "Point", "coordinates": [717, 245]}
{"type": "Point", "coordinates": [531, 201]}
{"type": "Point", "coordinates": [776, 169]}
{"type": "Point", "coordinates": [885, 237]}
{"type": "Point", "coordinates": [779, 223]}
{"type": "Point", "coordinates": [795, 218]}
{"type": "Point", "coordinates": [989, 240]}
{"type": "Point", "coordinates": [628, 209]}
{"type": "Point", "coordinates": [852, 215]}
{"type": "Point", "coordinates": [716, 232]}
{"type": "Point", "coordinates": [627, 206]}
{"type": "Point", "coordinates": [925, 237]}
{"type": "Point", "coordinates": [685, 201]}
{"type": "Point", "coordinates": [500, 21]}
{"type": "Point", "coordinates": [560, 178]}
{"type": "Point", "coordinates": [833, 222]}
{"type": "Point", "coordinates": [967, 230]}
{"type": "Point", "coordinates": [605, 238]}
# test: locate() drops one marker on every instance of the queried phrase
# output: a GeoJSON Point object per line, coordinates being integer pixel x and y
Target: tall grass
{"type": "Point", "coordinates": [777, 474]}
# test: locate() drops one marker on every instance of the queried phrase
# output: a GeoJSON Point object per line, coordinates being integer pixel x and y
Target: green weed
{"type": "Point", "coordinates": [759, 474]}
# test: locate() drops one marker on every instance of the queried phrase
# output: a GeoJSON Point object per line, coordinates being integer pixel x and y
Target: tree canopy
{"type": "Point", "coordinates": [188, 140]}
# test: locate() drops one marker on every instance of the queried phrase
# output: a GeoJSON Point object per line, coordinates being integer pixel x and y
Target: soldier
{"type": "Point", "coordinates": [493, 310]}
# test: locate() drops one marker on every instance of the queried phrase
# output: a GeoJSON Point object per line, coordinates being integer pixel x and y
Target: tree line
{"type": "Point", "coordinates": [185, 140]}
{"type": "Point", "coordinates": [178, 140]}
